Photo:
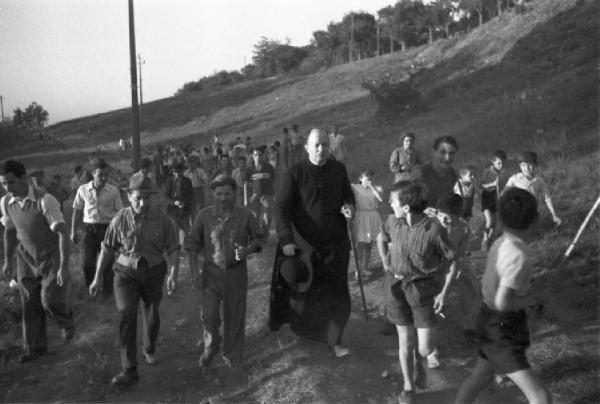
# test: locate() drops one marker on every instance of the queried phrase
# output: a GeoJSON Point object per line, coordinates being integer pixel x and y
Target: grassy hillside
{"type": "Point", "coordinates": [518, 82]}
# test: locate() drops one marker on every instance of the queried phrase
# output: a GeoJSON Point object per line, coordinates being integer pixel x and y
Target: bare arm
{"type": "Point", "coordinates": [76, 219]}
{"type": "Point", "coordinates": [440, 299]}
{"type": "Point", "coordinates": [63, 248]}
{"type": "Point", "coordinates": [384, 253]}
{"type": "Point", "coordinates": [10, 243]}
{"type": "Point", "coordinates": [507, 300]}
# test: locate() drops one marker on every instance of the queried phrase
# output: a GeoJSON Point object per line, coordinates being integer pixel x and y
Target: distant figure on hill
{"type": "Point", "coordinates": [313, 204]}
{"type": "Point", "coordinates": [337, 145]}
{"type": "Point", "coordinates": [404, 158]}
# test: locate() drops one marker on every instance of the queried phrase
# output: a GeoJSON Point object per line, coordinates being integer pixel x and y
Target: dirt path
{"type": "Point", "coordinates": [279, 366]}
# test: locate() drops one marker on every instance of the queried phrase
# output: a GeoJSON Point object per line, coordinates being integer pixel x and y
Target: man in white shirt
{"type": "Point", "coordinates": [529, 181]}
{"type": "Point", "coordinates": [95, 204]}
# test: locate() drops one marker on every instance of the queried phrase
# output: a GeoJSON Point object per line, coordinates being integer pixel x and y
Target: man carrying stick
{"type": "Point", "coordinates": [314, 201]}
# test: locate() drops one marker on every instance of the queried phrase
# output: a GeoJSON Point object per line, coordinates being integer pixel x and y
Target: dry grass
{"type": "Point", "coordinates": [518, 82]}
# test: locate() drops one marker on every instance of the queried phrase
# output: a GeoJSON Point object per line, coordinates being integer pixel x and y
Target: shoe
{"type": "Point", "coordinates": [407, 397]}
{"type": "Point", "coordinates": [433, 360]}
{"type": "Point", "coordinates": [68, 333]}
{"type": "Point", "coordinates": [206, 358]}
{"type": "Point", "coordinates": [339, 351]}
{"type": "Point", "coordinates": [30, 356]}
{"type": "Point", "coordinates": [150, 358]}
{"type": "Point", "coordinates": [126, 378]}
{"type": "Point", "coordinates": [420, 374]}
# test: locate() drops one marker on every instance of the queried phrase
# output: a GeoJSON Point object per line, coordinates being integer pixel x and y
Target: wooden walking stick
{"type": "Point", "coordinates": [581, 228]}
{"type": "Point", "coordinates": [360, 284]}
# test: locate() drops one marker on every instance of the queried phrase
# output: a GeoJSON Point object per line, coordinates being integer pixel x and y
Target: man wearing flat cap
{"type": "Point", "coordinates": [313, 204]}
{"type": "Point", "coordinates": [225, 234]}
{"type": "Point", "coordinates": [141, 236]}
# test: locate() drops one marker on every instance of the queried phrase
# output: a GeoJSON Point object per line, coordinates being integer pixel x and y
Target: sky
{"type": "Point", "coordinates": [72, 56]}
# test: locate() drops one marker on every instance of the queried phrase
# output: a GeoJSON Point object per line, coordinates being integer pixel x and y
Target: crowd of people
{"type": "Point", "coordinates": [222, 201]}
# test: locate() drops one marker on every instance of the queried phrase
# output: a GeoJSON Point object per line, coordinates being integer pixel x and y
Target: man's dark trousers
{"type": "Point", "coordinates": [131, 285]}
{"type": "Point", "coordinates": [41, 296]}
{"type": "Point", "coordinates": [92, 239]}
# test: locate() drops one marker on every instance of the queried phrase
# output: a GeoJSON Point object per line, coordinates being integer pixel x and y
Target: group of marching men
{"type": "Point", "coordinates": [129, 251]}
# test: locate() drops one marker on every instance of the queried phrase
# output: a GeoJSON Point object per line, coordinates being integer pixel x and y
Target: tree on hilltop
{"type": "Point", "coordinates": [34, 116]}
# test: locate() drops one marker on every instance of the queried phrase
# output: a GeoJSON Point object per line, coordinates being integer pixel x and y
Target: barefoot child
{"type": "Point", "coordinates": [492, 181]}
{"type": "Point", "coordinates": [501, 329]}
{"type": "Point", "coordinates": [367, 221]}
{"type": "Point", "coordinates": [415, 250]}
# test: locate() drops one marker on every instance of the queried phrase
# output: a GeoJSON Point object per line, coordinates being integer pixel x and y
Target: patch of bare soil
{"type": "Point", "coordinates": [281, 367]}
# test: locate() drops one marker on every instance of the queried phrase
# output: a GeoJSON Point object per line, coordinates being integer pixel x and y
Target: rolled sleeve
{"type": "Point", "coordinates": [51, 211]}
{"type": "Point", "coordinates": [111, 242]}
{"type": "Point", "coordinates": [194, 240]}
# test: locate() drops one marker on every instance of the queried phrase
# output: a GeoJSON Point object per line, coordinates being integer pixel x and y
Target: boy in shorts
{"type": "Point", "coordinates": [501, 329]}
{"type": "Point", "coordinates": [493, 179]}
{"type": "Point", "coordinates": [415, 251]}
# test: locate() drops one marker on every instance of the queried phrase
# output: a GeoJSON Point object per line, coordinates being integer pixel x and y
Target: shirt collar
{"type": "Point", "coordinates": [30, 195]}
{"type": "Point", "coordinates": [217, 213]}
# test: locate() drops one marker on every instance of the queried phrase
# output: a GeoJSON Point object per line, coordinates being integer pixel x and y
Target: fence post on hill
{"type": "Point", "coordinates": [134, 94]}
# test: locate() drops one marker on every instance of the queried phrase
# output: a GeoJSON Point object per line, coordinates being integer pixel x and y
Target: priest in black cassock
{"type": "Point", "coordinates": [313, 203]}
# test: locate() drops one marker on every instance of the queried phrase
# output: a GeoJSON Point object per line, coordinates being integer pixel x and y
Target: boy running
{"type": "Point", "coordinates": [492, 181]}
{"type": "Point", "coordinates": [415, 251]}
{"type": "Point", "coordinates": [501, 329]}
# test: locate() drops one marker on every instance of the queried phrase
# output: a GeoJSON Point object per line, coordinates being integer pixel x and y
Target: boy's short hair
{"type": "Point", "coordinates": [99, 163]}
{"type": "Point", "coordinates": [412, 193]}
{"type": "Point", "coordinates": [518, 208]}
{"type": "Point", "coordinates": [145, 163]}
{"type": "Point", "coordinates": [499, 154]}
{"type": "Point", "coordinates": [451, 204]}
{"type": "Point", "coordinates": [12, 166]}
{"type": "Point", "coordinates": [407, 134]}
{"type": "Point", "coordinates": [241, 158]}
{"type": "Point", "coordinates": [527, 157]}
{"type": "Point", "coordinates": [78, 168]}
{"type": "Point", "coordinates": [366, 173]}
{"type": "Point", "coordinates": [445, 139]}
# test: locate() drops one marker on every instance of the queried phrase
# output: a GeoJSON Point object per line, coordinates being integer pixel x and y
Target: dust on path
{"type": "Point", "coordinates": [279, 366]}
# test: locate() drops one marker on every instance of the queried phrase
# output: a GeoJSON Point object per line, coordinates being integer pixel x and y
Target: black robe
{"type": "Point", "coordinates": [310, 198]}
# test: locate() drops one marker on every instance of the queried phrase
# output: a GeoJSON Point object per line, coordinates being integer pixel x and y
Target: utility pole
{"type": "Point", "coordinates": [377, 26]}
{"type": "Point", "coordinates": [2, 108]}
{"type": "Point", "coordinates": [351, 47]}
{"type": "Point", "coordinates": [140, 63]}
{"type": "Point", "coordinates": [134, 96]}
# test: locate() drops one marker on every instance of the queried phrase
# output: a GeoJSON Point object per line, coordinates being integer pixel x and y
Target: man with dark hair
{"type": "Point", "coordinates": [94, 206]}
{"type": "Point", "coordinates": [58, 190]}
{"type": "Point", "coordinates": [438, 175]}
{"type": "Point", "coordinates": [141, 236]}
{"type": "Point", "coordinates": [262, 186]}
{"type": "Point", "coordinates": [225, 233]}
{"type": "Point", "coordinates": [180, 197]}
{"type": "Point", "coordinates": [35, 228]}
{"type": "Point", "coordinates": [314, 201]}
{"type": "Point", "coordinates": [296, 143]}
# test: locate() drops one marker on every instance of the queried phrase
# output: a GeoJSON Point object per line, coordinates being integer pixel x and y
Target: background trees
{"type": "Point", "coordinates": [360, 35]}
{"type": "Point", "coordinates": [34, 116]}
